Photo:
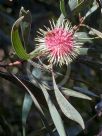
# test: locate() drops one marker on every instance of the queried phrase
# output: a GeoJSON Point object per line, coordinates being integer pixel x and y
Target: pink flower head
{"type": "Point", "coordinates": [59, 43]}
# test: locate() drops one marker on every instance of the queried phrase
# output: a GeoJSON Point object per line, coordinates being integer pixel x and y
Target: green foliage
{"type": "Point", "coordinates": [56, 85]}
{"type": "Point", "coordinates": [16, 41]}
{"type": "Point", "coordinates": [62, 7]}
{"type": "Point", "coordinates": [54, 113]}
{"type": "Point", "coordinates": [25, 25]}
{"type": "Point", "coordinates": [98, 33]}
{"type": "Point", "coordinates": [25, 110]}
{"type": "Point", "coordinates": [38, 107]}
{"type": "Point", "coordinates": [66, 107]}
{"type": "Point", "coordinates": [70, 92]}
{"type": "Point", "coordinates": [68, 110]}
{"type": "Point", "coordinates": [24, 22]}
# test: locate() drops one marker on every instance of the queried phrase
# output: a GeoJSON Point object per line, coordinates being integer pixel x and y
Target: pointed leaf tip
{"type": "Point", "coordinates": [68, 110]}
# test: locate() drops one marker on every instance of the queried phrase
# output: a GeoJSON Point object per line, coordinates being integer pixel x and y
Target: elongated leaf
{"type": "Point", "coordinates": [60, 20]}
{"type": "Point", "coordinates": [98, 33]}
{"type": "Point", "coordinates": [82, 37]}
{"type": "Point", "coordinates": [81, 6]}
{"type": "Point", "coordinates": [25, 25]}
{"type": "Point", "coordinates": [62, 7]}
{"type": "Point", "coordinates": [16, 42]}
{"type": "Point", "coordinates": [73, 4]}
{"type": "Point", "coordinates": [26, 107]}
{"type": "Point", "coordinates": [94, 8]}
{"type": "Point", "coordinates": [38, 107]}
{"type": "Point", "coordinates": [54, 113]}
{"type": "Point", "coordinates": [70, 92]}
{"type": "Point", "coordinates": [66, 107]}
{"type": "Point", "coordinates": [85, 91]}
{"type": "Point", "coordinates": [25, 110]}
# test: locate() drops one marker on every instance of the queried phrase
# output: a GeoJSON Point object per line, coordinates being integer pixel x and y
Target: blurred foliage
{"type": "Point", "coordinates": [85, 75]}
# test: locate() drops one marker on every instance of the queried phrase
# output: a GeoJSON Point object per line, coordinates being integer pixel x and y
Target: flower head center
{"type": "Point", "coordinates": [59, 42]}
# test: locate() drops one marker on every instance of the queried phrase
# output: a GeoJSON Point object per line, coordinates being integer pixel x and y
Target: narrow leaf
{"type": "Point", "coordinates": [82, 37]}
{"type": "Point", "coordinates": [82, 5]}
{"type": "Point", "coordinates": [98, 33]}
{"type": "Point", "coordinates": [73, 4]}
{"type": "Point", "coordinates": [25, 110]}
{"type": "Point", "coordinates": [85, 91]}
{"type": "Point", "coordinates": [54, 113]}
{"type": "Point", "coordinates": [26, 107]}
{"type": "Point", "coordinates": [16, 42]}
{"type": "Point", "coordinates": [70, 92]}
{"type": "Point", "coordinates": [60, 20]}
{"type": "Point", "coordinates": [25, 25]}
{"type": "Point", "coordinates": [38, 107]}
{"type": "Point", "coordinates": [91, 10]}
{"type": "Point", "coordinates": [62, 7]}
{"type": "Point", "coordinates": [66, 107]}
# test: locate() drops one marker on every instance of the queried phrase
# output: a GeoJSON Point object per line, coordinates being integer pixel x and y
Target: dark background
{"type": "Point", "coordinates": [11, 96]}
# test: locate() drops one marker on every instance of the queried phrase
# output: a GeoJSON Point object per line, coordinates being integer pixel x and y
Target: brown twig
{"type": "Point", "coordinates": [16, 63]}
{"type": "Point", "coordinates": [81, 20]}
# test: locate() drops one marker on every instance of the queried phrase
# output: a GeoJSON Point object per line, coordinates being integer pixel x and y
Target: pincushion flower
{"type": "Point", "coordinates": [58, 43]}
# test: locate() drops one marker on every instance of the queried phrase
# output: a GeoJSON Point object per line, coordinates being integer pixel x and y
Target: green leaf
{"type": "Point", "coordinates": [70, 92]}
{"type": "Point", "coordinates": [83, 51]}
{"type": "Point", "coordinates": [98, 33]}
{"type": "Point", "coordinates": [82, 37]}
{"type": "Point", "coordinates": [16, 41]}
{"type": "Point", "coordinates": [25, 25]}
{"type": "Point", "coordinates": [73, 4]}
{"type": "Point", "coordinates": [37, 106]}
{"type": "Point", "coordinates": [68, 110]}
{"type": "Point", "coordinates": [81, 6]}
{"type": "Point", "coordinates": [62, 7]}
{"type": "Point", "coordinates": [54, 113]}
{"type": "Point", "coordinates": [91, 10]}
{"type": "Point", "coordinates": [85, 91]}
{"type": "Point", "coordinates": [60, 20]}
{"type": "Point", "coordinates": [27, 103]}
